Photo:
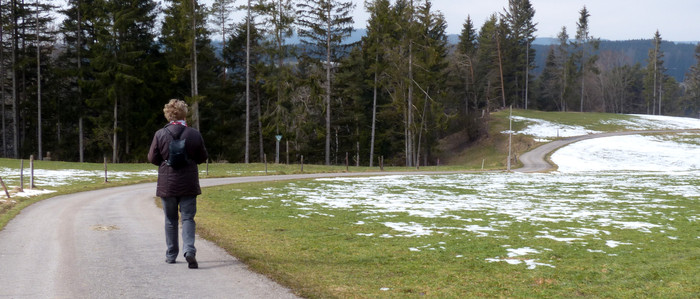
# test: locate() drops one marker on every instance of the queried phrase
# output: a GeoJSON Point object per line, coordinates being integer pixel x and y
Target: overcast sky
{"type": "Point", "coordinates": [676, 20]}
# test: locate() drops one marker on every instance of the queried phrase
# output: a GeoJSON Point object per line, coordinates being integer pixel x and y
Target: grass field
{"type": "Point", "coordinates": [605, 234]}
{"type": "Point", "coordinates": [618, 235]}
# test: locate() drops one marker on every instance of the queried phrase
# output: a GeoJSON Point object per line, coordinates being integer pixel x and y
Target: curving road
{"type": "Point", "coordinates": [535, 160]}
{"type": "Point", "coordinates": [109, 243]}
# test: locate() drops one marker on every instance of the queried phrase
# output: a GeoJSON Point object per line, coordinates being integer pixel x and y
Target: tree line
{"type": "Point", "coordinates": [94, 85]}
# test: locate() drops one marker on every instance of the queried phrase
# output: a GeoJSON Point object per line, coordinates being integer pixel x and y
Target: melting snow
{"type": "Point", "coordinates": [631, 152]}
{"type": "Point", "coordinates": [544, 130]}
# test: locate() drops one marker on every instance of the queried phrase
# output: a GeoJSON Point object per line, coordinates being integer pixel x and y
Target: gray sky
{"type": "Point", "coordinates": [676, 20]}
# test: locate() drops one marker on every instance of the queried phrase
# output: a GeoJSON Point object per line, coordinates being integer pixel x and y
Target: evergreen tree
{"type": "Point", "coordinates": [519, 19]}
{"type": "Point", "coordinates": [324, 24]}
{"type": "Point", "coordinates": [655, 76]}
{"type": "Point", "coordinates": [431, 62]}
{"type": "Point", "coordinates": [690, 102]}
{"type": "Point", "coordinates": [585, 45]}
{"type": "Point", "coordinates": [374, 43]}
{"type": "Point", "coordinates": [466, 49]}
{"type": "Point", "coordinates": [184, 36]}
{"type": "Point", "coordinates": [221, 11]}
{"type": "Point", "coordinates": [279, 15]}
{"type": "Point", "coordinates": [119, 58]}
{"type": "Point", "coordinates": [487, 72]}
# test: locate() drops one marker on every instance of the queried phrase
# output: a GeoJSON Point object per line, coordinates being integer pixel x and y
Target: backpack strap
{"type": "Point", "coordinates": [175, 137]}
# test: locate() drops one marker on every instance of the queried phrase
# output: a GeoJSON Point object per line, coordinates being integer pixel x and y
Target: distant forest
{"type": "Point", "coordinates": [93, 86]}
{"type": "Point", "coordinates": [678, 57]}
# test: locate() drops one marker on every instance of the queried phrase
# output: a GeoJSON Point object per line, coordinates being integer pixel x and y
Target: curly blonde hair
{"type": "Point", "coordinates": [175, 110]}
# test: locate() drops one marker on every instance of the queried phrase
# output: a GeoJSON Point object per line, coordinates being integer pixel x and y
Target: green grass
{"type": "Point", "coordinates": [322, 251]}
{"type": "Point", "coordinates": [133, 173]}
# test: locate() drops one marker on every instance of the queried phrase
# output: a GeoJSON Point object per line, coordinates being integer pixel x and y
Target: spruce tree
{"type": "Point", "coordinates": [690, 101]}
{"type": "Point", "coordinates": [378, 28]}
{"type": "Point", "coordinates": [655, 76]}
{"type": "Point", "coordinates": [324, 24]}
{"type": "Point", "coordinates": [585, 46]}
{"type": "Point", "coordinates": [466, 48]}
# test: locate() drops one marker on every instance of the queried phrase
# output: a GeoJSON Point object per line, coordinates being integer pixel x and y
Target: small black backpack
{"type": "Point", "coordinates": [177, 153]}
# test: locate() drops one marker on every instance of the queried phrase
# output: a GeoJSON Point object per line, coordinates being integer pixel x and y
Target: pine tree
{"type": "Point", "coordinates": [519, 19]}
{"type": "Point", "coordinates": [655, 76]}
{"type": "Point", "coordinates": [690, 101]}
{"type": "Point", "coordinates": [467, 48]}
{"type": "Point", "coordinates": [221, 11]}
{"type": "Point", "coordinates": [585, 44]}
{"type": "Point", "coordinates": [124, 45]}
{"type": "Point", "coordinates": [431, 62]}
{"type": "Point", "coordinates": [487, 72]}
{"type": "Point", "coordinates": [378, 28]}
{"type": "Point", "coordinates": [324, 24]}
{"type": "Point", "coordinates": [279, 16]}
{"type": "Point", "coordinates": [184, 36]}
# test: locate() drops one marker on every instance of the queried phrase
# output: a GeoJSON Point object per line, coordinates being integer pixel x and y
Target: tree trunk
{"type": "Point", "coordinates": [114, 132]}
{"type": "Point", "coordinates": [500, 67]}
{"type": "Point", "coordinates": [260, 130]}
{"type": "Point", "coordinates": [2, 87]}
{"type": "Point", "coordinates": [409, 110]}
{"type": "Point", "coordinates": [527, 70]}
{"type": "Point", "coordinates": [247, 89]}
{"type": "Point", "coordinates": [80, 140]}
{"type": "Point", "coordinates": [328, 89]}
{"type": "Point", "coordinates": [15, 99]}
{"type": "Point", "coordinates": [374, 109]}
{"type": "Point", "coordinates": [195, 91]}
{"type": "Point", "coordinates": [79, 47]}
{"type": "Point", "coordinates": [38, 82]}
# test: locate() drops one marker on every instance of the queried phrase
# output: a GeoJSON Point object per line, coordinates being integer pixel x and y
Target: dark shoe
{"type": "Point", "coordinates": [169, 261]}
{"type": "Point", "coordinates": [191, 261]}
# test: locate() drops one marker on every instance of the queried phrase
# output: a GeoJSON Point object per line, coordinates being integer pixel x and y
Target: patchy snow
{"type": "Point", "coordinates": [32, 192]}
{"type": "Point", "coordinates": [613, 244]}
{"type": "Point", "coordinates": [51, 179]}
{"type": "Point", "coordinates": [630, 153]}
{"type": "Point", "coordinates": [659, 122]}
{"type": "Point", "coordinates": [544, 130]}
{"type": "Point", "coordinates": [514, 258]}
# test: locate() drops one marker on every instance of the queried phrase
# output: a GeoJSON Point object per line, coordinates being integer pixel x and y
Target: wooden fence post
{"type": "Point", "coordinates": [302, 163]}
{"type": "Point", "coordinates": [105, 162]}
{"type": "Point", "coordinates": [31, 172]}
{"type": "Point", "coordinates": [21, 175]}
{"type": "Point", "coordinates": [4, 188]}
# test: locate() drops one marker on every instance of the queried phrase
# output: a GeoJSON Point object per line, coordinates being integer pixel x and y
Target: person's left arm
{"type": "Point", "coordinates": [154, 155]}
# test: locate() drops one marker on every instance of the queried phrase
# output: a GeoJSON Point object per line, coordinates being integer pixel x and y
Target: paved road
{"type": "Point", "coordinates": [535, 160]}
{"type": "Point", "coordinates": [109, 244]}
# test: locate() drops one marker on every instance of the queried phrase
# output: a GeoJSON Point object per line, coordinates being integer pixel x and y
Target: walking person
{"type": "Point", "coordinates": [178, 178]}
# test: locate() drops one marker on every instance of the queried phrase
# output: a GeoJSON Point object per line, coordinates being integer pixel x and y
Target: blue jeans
{"type": "Point", "coordinates": [188, 208]}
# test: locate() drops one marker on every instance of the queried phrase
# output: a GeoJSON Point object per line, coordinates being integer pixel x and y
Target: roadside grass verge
{"type": "Point", "coordinates": [469, 235]}
{"type": "Point", "coordinates": [53, 178]}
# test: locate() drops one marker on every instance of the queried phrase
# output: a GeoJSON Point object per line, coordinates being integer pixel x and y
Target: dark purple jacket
{"type": "Point", "coordinates": [183, 181]}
